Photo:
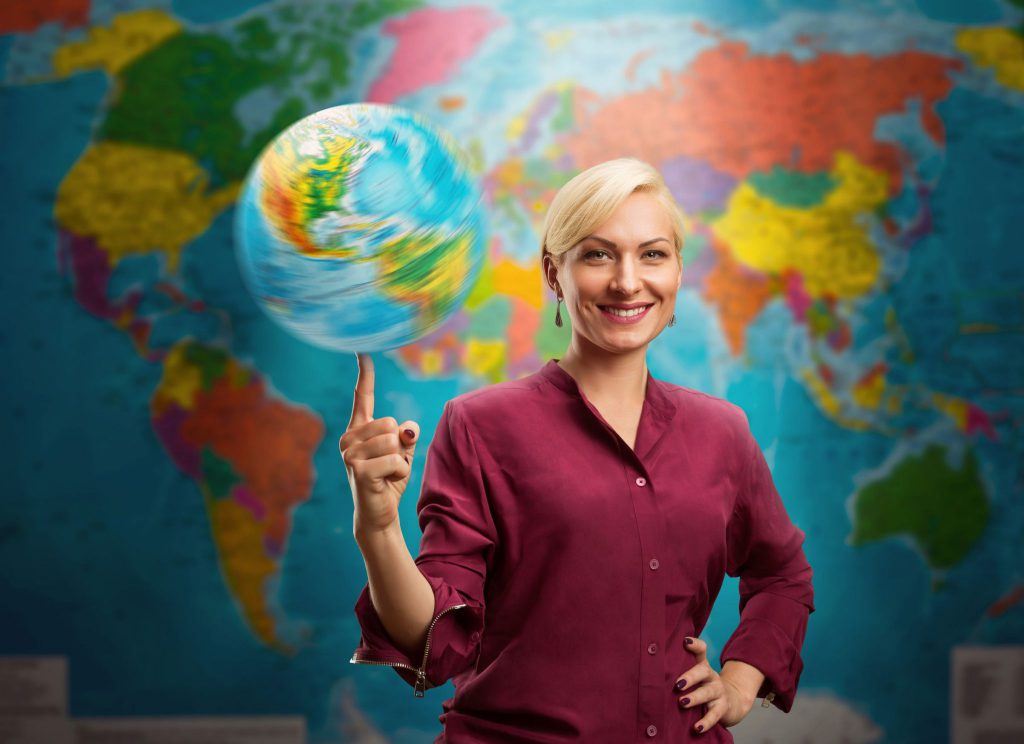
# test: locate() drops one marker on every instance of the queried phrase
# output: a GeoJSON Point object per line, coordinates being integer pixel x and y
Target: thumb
{"type": "Point", "coordinates": [408, 436]}
{"type": "Point", "coordinates": [697, 647]}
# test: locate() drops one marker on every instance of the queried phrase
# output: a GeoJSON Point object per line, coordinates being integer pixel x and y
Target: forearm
{"type": "Point", "coordinates": [744, 677]}
{"type": "Point", "coordinates": [401, 595]}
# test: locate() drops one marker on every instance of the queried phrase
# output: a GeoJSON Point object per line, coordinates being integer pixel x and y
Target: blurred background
{"type": "Point", "coordinates": [175, 532]}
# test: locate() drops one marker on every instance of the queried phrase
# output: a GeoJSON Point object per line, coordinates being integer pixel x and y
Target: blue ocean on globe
{"type": "Point", "coordinates": [360, 228]}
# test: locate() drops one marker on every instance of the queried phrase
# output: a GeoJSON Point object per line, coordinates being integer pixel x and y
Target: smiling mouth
{"type": "Point", "coordinates": [631, 313]}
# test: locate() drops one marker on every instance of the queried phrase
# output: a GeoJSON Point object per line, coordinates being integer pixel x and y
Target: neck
{"type": "Point", "coordinates": [607, 376]}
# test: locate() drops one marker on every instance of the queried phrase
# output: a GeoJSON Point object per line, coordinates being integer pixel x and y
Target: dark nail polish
{"type": "Point", "coordinates": [680, 685]}
{"type": "Point", "coordinates": [689, 641]}
{"type": "Point", "coordinates": [686, 701]}
{"type": "Point", "coordinates": [700, 727]}
{"type": "Point", "coordinates": [406, 458]}
{"type": "Point", "coordinates": [409, 433]}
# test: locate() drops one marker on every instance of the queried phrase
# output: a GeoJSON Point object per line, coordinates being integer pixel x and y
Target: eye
{"type": "Point", "coordinates": [591, 253]}
{"type": "Point", "coordinates": [655, 251]}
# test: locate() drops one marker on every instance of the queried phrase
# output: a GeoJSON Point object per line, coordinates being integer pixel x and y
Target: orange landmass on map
{"type": "Point", "coordinates": [269, 444]}
{"type": "Point", "coordinates": [745, 113]}
{"type": "Point", "coordinates": [523, 327]}
{"type": "Point", "coordinates": [738, 293]}
{"type": "Point", "coordinates": [22, 17]}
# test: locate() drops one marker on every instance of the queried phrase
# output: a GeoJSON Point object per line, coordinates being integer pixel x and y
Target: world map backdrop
{"type": "Point", "coordinates": [177, 522]}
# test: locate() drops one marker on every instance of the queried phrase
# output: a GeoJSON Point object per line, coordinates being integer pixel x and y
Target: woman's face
{"type": "Point", "coordinates": [630, 260]}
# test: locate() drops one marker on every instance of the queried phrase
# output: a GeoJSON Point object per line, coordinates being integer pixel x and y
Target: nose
{"type": "Point", "coordinates": [626, 281]}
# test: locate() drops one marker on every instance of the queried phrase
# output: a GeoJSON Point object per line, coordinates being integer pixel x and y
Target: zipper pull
{"type": "Point", "coordinates": [766, 703]}
{"type": "Point", "coordinates": [421, 683]}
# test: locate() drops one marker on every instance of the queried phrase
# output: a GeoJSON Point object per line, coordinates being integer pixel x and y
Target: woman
{"type": "Point", "coordinates": [578, 522]}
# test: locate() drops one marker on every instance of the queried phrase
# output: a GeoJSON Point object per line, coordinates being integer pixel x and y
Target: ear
{"type": "Point", "coordinates": [550, 272]}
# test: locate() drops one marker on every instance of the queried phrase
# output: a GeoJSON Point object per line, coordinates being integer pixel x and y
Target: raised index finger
{"type": "Point", "coordinates": [362, 400]}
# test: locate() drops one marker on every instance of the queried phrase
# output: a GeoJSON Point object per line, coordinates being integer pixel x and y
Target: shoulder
{"type": "Point", "coordinates": [500, 398]}
{"type": "Point", "coordinates": [710, 413]}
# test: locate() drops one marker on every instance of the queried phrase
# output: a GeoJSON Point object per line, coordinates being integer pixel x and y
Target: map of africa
{"type": "Point", "coordinates": [179, 525]}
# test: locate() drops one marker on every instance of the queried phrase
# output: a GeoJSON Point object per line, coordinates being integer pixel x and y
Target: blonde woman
{"type": "Point", "coordinates": [578, 522]}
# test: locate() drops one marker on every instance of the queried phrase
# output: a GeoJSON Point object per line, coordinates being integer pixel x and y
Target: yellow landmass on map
{"type": "Point", "coordinates": [485, 358]}
{"type": "Point", "coordinates": [999, 48]}
{"type": "Point", "coordinates": [130, 36]}
{"type": "Point", "coordinates": [829, 403]}
{"type": "Point", "coordinates": [517, 281]}
{"type": "Point", "coordinates": [246, 565]}
{"type": "Point", "coordinates": [181, 379]}
{"type": "Point", "coordinates": [828, 243]}
{"type": "Point", "coordinates": [136, 200]}
{"type": "Point", "coordinates": [555, 40]}
{"type": "Point", "coordinates": [955, 408]}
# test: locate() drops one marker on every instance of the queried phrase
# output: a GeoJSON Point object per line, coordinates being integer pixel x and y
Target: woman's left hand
{"type": "Point", "coordinates": [726, 703]}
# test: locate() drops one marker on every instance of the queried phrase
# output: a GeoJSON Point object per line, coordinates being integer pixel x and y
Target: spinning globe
{"type": "Point", "coordinates": [360, 228]}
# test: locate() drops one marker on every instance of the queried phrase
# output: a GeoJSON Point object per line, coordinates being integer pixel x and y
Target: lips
{"type": "Point", "coordinates": [625, 319]}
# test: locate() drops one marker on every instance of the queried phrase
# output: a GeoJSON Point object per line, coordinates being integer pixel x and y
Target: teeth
{"type": "Point", "coordinates": [625, 313]}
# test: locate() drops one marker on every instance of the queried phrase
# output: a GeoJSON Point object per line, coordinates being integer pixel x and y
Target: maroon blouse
{"type": "Point", "coordinates": [567, 568]}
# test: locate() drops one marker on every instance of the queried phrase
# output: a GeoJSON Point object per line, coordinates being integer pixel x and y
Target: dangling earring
{"type": "Point", "coordinates": [673, 321]}
{"type": "Point", "coordinates": [558, 313]}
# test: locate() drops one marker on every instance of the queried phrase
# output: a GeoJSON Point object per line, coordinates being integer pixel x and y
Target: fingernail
{"type": "Point", "coordinates": [700, 727]}
{"type": "Point", "coordinates": [680, 685]}
{"type": "Point", "coordinates": [685, 701]}
{"type": "Point", "coordinates": [689, 641]}
{"type": "Point", "coordinates": [406, 459]}
{"type": "Point", "coordinates": [409, 433]}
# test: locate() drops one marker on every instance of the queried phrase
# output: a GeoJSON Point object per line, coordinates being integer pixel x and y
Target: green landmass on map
{"type": "Point", "coordinates": [943, 509]}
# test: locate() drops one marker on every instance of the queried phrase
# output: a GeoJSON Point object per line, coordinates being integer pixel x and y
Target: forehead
{"type": "Point", "coordinates": [642, 216]}
{"type": "Point", "coordinates": [640, 210]}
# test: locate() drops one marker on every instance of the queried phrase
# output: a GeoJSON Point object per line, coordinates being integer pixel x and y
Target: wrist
{"type": "Point", "coordinates": [745, 678]}
{"type": "Point", "coordinates": [368, 536]}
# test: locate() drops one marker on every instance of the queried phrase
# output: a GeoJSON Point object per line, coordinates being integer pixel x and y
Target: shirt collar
{"type": "Point", "coordinates": [657, 400]}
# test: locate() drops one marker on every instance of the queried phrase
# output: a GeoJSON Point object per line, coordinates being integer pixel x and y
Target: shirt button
{"type": "Point", "coordinates": [654, 564]}
{"type": "Point", "coordinates": [641, 481]}
{"type": "Point", "coordinates": [652, 730]}
{"type": "Point", "coordinates": [652, 648]}
{"type": "Point", "coordinates": [475, 636]}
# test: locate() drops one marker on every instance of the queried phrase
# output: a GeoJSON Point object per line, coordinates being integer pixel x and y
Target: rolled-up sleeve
{"type": "Point", "coordinates": [456, 547]}
{"type": "Point", "coordinates": [765, 549]}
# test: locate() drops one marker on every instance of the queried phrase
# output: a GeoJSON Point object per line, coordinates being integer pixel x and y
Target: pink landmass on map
{"type": "Point", "coordinates": [432, 44]}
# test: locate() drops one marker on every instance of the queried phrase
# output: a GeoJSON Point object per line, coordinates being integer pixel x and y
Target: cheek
{"type": "Point", "coordinates": [588, 287]}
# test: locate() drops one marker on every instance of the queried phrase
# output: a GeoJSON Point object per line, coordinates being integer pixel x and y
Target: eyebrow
{"type": "Point", "coordinates": [610, 244]}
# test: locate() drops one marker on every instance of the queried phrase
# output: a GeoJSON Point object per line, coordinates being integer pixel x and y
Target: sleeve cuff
{"type": "Point", "coordinates": [452, 639]}
{"type": "Point", "coordinates": [769, 637]}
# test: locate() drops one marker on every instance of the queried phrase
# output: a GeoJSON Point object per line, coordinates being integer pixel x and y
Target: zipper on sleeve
{"type": "Point", "coordinates": [421, 674]}
{"type": "Point", "coordinates": [767, 702]}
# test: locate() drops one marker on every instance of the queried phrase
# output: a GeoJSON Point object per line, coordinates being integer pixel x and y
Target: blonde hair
{"type": "Point", "coordinates": [587, 200]}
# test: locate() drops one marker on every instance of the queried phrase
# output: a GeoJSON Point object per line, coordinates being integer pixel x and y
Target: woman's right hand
{"type": "Point", "coordinates": [378, 457]}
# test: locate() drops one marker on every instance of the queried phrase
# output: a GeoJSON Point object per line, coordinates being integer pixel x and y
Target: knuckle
{"type": "Point", "coordinates": [389, 423]}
